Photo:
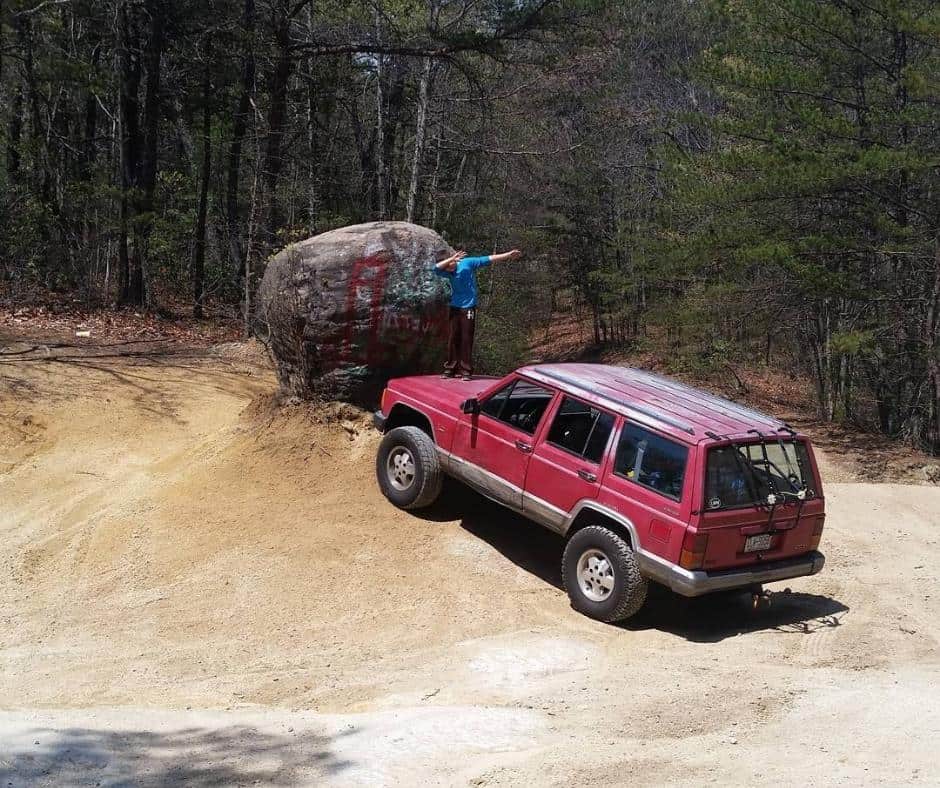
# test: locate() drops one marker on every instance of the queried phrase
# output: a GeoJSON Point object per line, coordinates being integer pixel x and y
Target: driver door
{"type": "Point", "coordinates": [492, 448]}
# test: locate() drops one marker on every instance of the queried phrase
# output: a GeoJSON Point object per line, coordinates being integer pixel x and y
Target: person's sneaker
{"type": "Point", "coordinates": [447, 374]}
{"type": "Point", "coordinates": [466, 377]}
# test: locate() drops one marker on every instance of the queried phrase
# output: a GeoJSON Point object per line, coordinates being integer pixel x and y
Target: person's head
{"type": "Point", "coordinates": [452, 260]}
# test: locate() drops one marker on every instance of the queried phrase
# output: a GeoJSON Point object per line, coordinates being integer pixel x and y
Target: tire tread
{"type": "Point", "coordinates": [425, 455]}
{"type": "Point", "coordinates": [635, 585]}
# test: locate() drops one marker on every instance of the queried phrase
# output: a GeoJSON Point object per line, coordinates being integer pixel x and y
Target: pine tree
{"type": "Point", "coordinates": [819, 195]}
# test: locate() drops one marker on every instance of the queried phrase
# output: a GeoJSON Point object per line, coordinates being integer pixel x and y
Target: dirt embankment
{"type": "Point", "coordinates": [195, 586]}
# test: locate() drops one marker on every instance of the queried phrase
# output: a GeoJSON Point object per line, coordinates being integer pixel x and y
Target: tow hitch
{"type": "Point", "coordinates": [760, 597]}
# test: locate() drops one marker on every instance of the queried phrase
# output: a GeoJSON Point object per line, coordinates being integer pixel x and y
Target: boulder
{"type": "Point", "coordinates": [350, 308]}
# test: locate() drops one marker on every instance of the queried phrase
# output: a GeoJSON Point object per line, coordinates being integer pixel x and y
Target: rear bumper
{"type": "Point", "coordinates": [690, 583]}
{"type": "Point", "coordinates": [378, 420]}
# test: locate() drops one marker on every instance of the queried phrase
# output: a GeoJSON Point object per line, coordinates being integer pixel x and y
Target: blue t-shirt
{"type": "Point", "coordinates": [463, 281]}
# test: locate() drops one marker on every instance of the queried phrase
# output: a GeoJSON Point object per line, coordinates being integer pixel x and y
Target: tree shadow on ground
{"type": "Point", "coordinates": [706, 619]}
{"type": "Point", "coordinates": [200, 757]}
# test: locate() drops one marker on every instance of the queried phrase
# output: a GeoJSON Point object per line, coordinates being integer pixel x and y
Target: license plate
{"type": "Point", "coordinates": [757, 542]}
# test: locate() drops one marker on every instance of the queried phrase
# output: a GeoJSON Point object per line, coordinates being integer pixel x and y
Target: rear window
{"type": "Point", "coordinates": [651, 461]}
{"type": "Point", "coordinates": [745, 474]}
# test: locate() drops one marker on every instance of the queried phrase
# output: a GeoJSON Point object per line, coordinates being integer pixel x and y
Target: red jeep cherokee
{"type": "Point", "coordinates": [646, 478]}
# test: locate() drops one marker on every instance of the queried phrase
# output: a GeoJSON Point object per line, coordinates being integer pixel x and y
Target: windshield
{"type": "Point", "coordinates": [744, 474]}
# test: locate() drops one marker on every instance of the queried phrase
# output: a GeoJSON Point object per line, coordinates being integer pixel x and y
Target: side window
{"type": "Point", "coordinates": [581, 429]}
{"type": "Point", "coordinates": [493, 406]}
{"type": "Point", "coordinates": [647, 459]}
{"type": "Point", "coordinates": [520, 404]}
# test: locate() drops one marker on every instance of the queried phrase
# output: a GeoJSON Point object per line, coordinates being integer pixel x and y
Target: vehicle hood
{"type": "Point", "coordinates": [445, 394]}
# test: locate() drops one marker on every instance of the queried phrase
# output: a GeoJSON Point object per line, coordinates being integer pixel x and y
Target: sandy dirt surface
{"type": "Point", "coordinates": [198, 589]}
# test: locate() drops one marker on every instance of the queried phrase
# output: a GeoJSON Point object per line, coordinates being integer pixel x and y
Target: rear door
{"type": "Point", "coordinates": [566, 466]}
{"type": "Point", "coordinates": [492, 448]}
{"type": "Point", "coordinates": [650, 483]}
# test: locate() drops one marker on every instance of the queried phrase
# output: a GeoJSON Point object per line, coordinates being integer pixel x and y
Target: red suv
{"type": "Point", "coordinates": [646, 478]}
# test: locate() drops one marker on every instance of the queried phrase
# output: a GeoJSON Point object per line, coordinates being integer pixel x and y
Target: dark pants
{"type": "Point", "coordinates": [460, 343]}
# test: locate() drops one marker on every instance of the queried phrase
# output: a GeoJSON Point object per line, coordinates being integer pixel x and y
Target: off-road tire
{"type": "Point", "coordinates": [428, 477]}
{"type": "Point", "coordinates": [630, 587]}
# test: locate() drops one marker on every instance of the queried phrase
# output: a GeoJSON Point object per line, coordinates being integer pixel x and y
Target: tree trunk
{"type": "Point", "coordinates": [366, 154]}
{"type": "Point", "coordinates": [239, 127]}
{"type": "Point", "coordinates": [313, 198]}
{"type": "Point", "coordinates": [90, 125]}
{"type": "Point", "coordinates": [456, 187]}
{"type": "Point", "coordinates": [381, 179]}
{"type": "Point", "coordinates": [255, 212]}
{"type": "Point", "coordinates": [277, 119]}
{"type": "Point", "coordinates": [932, 343]}
{"type": "Point", "coordinates": [14, 135]}
{"type": "Point", "coordinates": [40, 172]}
{"type": "Point", "coordinates": [420, 127]}
{"type": "Point", "coordinates": [394, 105]}
{"type": "Point", "coordinates": [388, 104]}
{"type": "Point", "coordinates": [199, 245]}
{"type": "Point", "coordinates": [432, 191]}
{"type": "Point", "coordinates": [129, 85]}
{"type": "Point", "coordinates": [139, 293]}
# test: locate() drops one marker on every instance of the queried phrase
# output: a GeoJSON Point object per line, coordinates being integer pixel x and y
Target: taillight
{"type": "Point", "coordinates": [694, 546]}
{"type": "Point", "coordinates": [382, 403]}
{"type": "Point", "coordinates": [817, 532]}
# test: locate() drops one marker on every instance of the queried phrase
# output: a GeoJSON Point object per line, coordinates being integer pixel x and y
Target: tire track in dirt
{"type": "Point", "coordinates": [224, 557]}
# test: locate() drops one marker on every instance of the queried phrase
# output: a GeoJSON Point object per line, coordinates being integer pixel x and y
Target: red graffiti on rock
{"type": "Point", "coordinates": [385, 335]}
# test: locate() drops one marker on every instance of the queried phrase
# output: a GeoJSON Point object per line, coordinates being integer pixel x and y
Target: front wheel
{"type": "Point", "coordinates": [408, 468]}
{"type": "Point", "coordinates": [602, 576]}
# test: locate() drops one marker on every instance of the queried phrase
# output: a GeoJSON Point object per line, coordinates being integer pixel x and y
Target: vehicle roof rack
{"type": "Point", "coordinates": [618, 402]}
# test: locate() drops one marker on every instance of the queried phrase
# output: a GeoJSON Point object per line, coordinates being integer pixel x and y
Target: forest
{"type": "Point", "coordinates": [751, 182]}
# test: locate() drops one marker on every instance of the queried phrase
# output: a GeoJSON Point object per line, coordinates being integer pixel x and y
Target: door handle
{"type": "Point", "coordinates": [587, 475]}
{"type": "Point", "coordinates": [523, 446]}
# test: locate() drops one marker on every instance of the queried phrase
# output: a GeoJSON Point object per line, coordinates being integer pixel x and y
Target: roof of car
{"type": "Point", "coordinates": [660, 402]}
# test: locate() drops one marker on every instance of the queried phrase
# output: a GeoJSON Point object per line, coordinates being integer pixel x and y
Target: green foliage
{"type": "Point", "coordinates": [822, 181]}
{"type": "Point", "coordinates": [499, 346]}
{"type": "Point", "coordinates": [721, 181]}
{"type": "Point", "coordinates": [852, 343]}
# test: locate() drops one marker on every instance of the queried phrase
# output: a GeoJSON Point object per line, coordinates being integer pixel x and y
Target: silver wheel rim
{"type": "Point", "coordinates": [595, 575]}
{"type": "Point", "coordinates": [400, 468]}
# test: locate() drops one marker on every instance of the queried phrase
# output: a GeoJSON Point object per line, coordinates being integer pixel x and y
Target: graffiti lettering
{"type": "Point", "coordinates": [367, 277]}
{"type": "Point", "coordinates": [377, 332]}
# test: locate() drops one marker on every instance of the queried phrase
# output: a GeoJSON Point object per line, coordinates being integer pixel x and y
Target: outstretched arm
{"type": "Point", "coordinates": [456, 257]}
{"type": "Point", "coordinates": [515, 254]}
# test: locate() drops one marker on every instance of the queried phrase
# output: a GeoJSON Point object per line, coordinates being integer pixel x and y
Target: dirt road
{"type": "Point", "coordinates": [197, 589]}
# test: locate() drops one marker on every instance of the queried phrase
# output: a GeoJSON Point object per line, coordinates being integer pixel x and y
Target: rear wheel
{"type": "Point", "coordinates": [408, 468]}
{"type": "Point", "coordinates": [602, 575]}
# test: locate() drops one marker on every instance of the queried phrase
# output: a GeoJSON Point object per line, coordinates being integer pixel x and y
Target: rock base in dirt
{"type": "Point", "coordinates": [350, 308]}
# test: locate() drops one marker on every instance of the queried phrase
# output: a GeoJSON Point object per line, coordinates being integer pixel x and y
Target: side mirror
{"type": "Point", "coordinates": [470, 405]}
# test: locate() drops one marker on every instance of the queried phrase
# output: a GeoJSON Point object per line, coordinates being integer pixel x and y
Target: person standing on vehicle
{"type": "Point", "coordinates": [461, 270]}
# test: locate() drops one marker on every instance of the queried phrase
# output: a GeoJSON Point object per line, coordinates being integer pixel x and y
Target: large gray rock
{"type": "Point", "coordinates": [350, 308]}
